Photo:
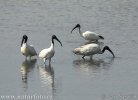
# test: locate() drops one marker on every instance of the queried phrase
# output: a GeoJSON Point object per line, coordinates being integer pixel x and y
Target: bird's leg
{"type": "Point", "coordinates": [50, 67]}
{"type": "Point", "coordinates": [83, 57]}
{"type": "Point", "coordinates": [91, 57]}
{"type": "Point", "coordinates": [49, 61]}
{"type": "Point", "coordinates": [44, 61]}
{"type": "Point", "coordinates": [25, 58]}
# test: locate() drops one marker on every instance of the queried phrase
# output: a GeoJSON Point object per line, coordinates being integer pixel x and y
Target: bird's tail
{"type": "Point", "coordinates": [101, 37]}
{"type": "Point", "coordinates": [76, 51]}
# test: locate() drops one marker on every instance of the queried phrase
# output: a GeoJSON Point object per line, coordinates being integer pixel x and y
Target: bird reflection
{"type": "Point", "coordinates": [47, 78]}
{"type": "Point", "coordinates": [26, 67]}
{"type": "Point", "coordinates": [93, 65]}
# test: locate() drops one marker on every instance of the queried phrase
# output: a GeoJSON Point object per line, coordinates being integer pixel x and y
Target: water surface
{"type": "Point", "coordinates": [70, 78]}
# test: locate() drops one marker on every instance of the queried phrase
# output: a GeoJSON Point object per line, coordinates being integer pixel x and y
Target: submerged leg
{"type": "Point", "coordinates": [50, 61]}
{"type": "Point", "coordinates": [44, 61]}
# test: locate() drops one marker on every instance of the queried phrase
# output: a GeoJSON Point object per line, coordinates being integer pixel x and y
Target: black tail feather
{"type": "Point", "coordinates": [101, 37]}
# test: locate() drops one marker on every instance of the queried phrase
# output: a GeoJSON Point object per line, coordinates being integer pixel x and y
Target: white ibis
{"type": "Point", "coordinates": [26, 49]}
{"type": "Point", "coordinates": [88, 35]}
{"type": "Point", "coordinates": [48, 53]}
{"type": "Point", "coordinates": [90, 50]}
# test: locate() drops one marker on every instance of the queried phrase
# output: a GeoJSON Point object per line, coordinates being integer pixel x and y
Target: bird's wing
{"type": "Point", "coordinates": [32, 50]}
{"type": "Point", "coordinates": [90, 48]}
{"type": "Point", "coordinates": [90, 35]}
{"type": "Point", "coordinates": [45, 53]}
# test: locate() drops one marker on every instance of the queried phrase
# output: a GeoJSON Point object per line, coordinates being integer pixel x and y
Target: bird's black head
{"type": "Point", "coordinates": [107, 48]}
{"type": "Point", "coordinates": [54, 37]}
{"type": "Point", "coordinates": [77, 26]}
{"type": "Point", "coordinates": [24, 39]}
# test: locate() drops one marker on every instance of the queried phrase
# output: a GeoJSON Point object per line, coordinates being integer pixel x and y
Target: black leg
{"type": "Point", "coordinates": [50, 62]}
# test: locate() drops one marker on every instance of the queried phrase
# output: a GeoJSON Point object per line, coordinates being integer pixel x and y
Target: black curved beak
{"type": "Point", "coordinates": [58, 40]}
{"type": "Point", "coordinates": [22, 41]}
{"type": "Point", "coordinates": [111, 52]}
{"type": "Point", "coordinates": [107, 48]}
{"type": "Point", "coordinates": [77, 26]}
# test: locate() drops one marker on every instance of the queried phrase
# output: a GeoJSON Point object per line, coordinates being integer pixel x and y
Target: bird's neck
{"type": "Point", "coordinates": [24, 45]}
{"type": "Point", "coordinates": [80, 32]}
{"type": "Point", "coordinates": [52, 45]}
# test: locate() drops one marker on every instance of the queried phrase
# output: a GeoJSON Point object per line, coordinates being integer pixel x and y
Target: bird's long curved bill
{"type": "Point", "coordinates": [74, 28]}
{"type": "Point", "coordinates": [111, 52]}
{"type": "Point", "coordinates": [58, 41]}
{"type": "Point", "coordinates": [22, 41]}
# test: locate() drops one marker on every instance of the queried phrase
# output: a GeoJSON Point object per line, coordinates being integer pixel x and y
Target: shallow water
{"type": "Point", "coordinates": [70, 77]}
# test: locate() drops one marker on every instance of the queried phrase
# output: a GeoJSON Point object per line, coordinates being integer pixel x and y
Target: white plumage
{"type": "Point", "coordinates": [47, 54]}
{"type": "Point", "coordinates": [26, 49]}
{"type": "Point", "coordinates": [91, 49]}
{"type": "Point", "coordinates": [88, 35]}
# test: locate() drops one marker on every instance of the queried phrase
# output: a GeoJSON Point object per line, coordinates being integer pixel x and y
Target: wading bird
{"type": "Point", "coordinates": [90, 50]}
{"type": "Point", "coordinates": [26, 49]}
{"type": "Point", "coordinates": [88, 35]}
{"type": "Point", "coordinates": [47, 54]}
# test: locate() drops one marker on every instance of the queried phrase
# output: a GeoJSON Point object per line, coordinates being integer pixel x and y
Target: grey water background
{"type": "Point", "coordinates": [70, 78]}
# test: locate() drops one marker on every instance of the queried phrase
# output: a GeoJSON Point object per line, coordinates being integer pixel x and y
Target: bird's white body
{"type": "Point", "coordinates": [91, 36]}
{"type": "Point", "coordinates": [88, 50]}
{"type": "Point", "coordinates": [28, 50]}
{"type": "Point", "coordinates": [47, 53]}
{"type": "Point", "coordinates": [88, 35]}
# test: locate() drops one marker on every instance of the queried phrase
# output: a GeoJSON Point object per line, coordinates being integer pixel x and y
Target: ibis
{"type": "Point", "coordinates": [88, 35]}
{"type": "Point", "coordinates": [48, 53]}
{"type": "Point", "coordinates": [26, 49]}
{"type": "Point", "coordinates": [91, 49]}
